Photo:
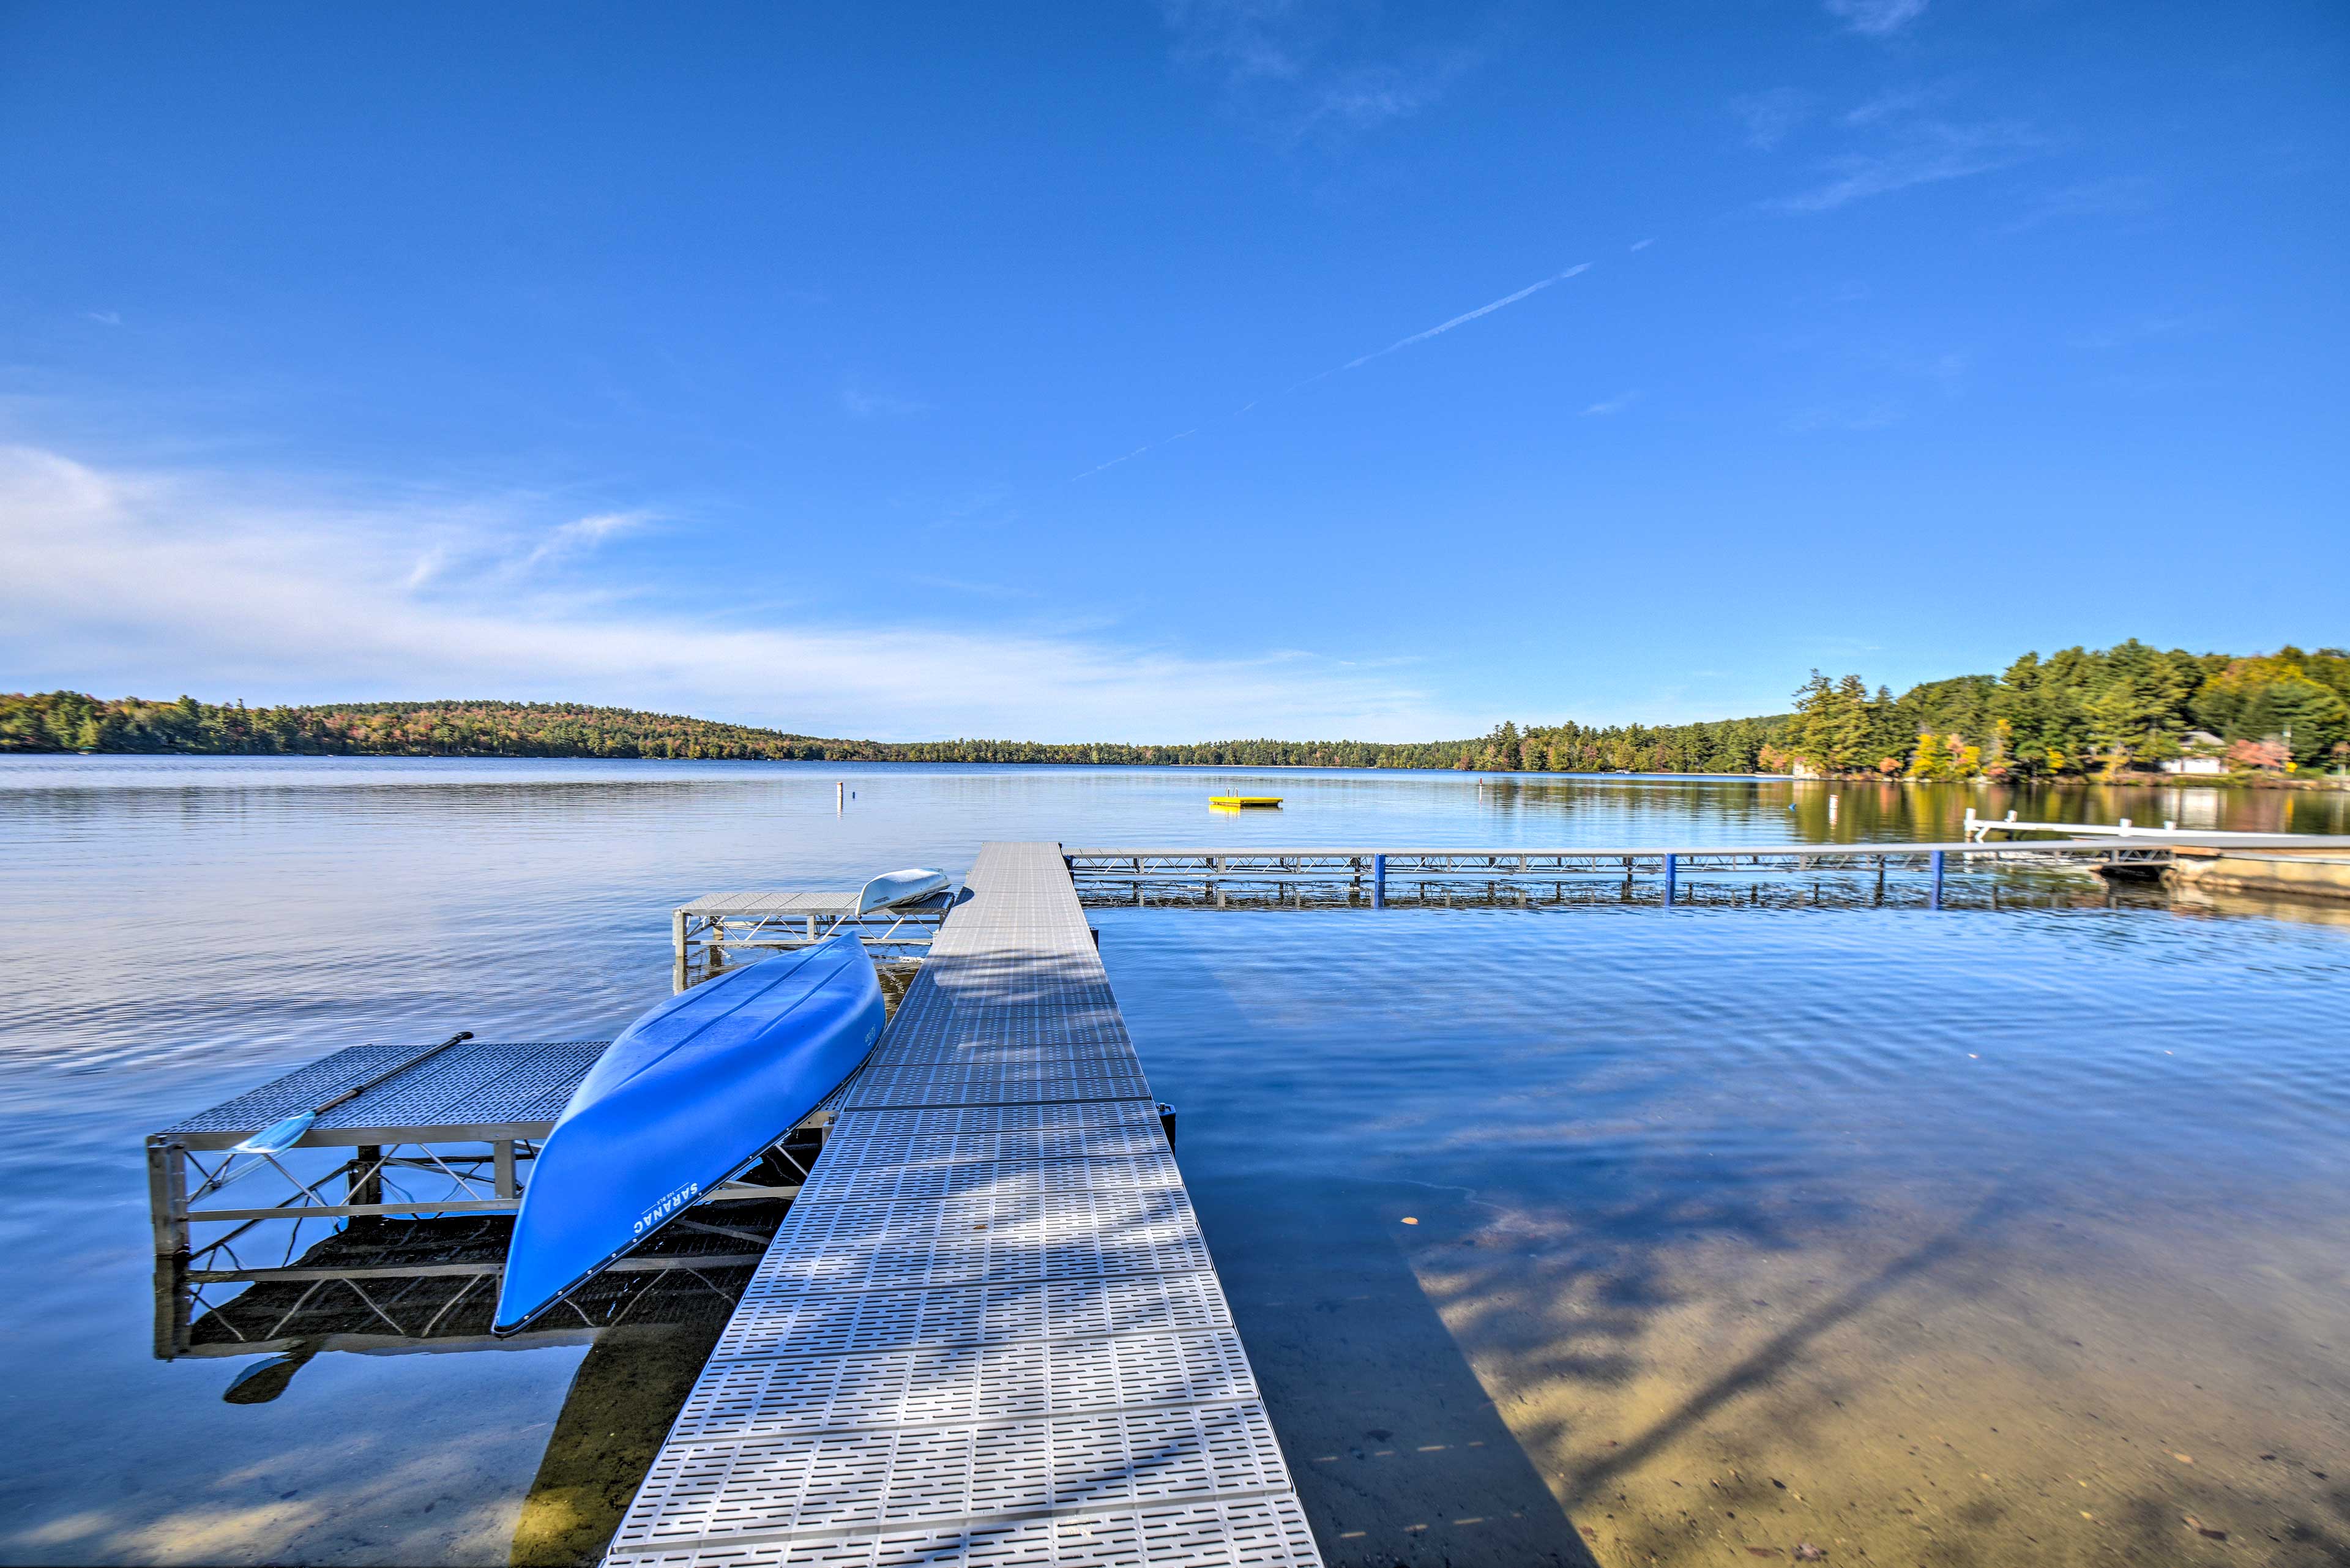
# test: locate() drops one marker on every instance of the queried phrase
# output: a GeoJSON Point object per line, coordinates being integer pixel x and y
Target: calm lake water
{"type": "Point", "coordinates": [1606, 1233]}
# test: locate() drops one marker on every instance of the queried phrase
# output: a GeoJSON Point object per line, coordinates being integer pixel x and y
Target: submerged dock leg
{"type": "Point", "coordinates": [1672, 874]}
{"type": "Point", "coordinates": [1379, 881]}
{"type": "Point", "coordinates": [1938, 879]}
{"type": "Point", "coordinates": [367, 1174]}
{"type": "Point", "coordinates": [167, 1195]}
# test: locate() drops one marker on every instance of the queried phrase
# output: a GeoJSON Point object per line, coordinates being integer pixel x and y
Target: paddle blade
{"type": "Point", "coordinates": [280, 1137]}
{"type": "Point", "coordinates": [258, 1385]}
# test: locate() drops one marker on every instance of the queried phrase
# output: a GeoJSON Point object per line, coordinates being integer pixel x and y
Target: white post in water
{"type": "Point", "coordinates": [839, 798]}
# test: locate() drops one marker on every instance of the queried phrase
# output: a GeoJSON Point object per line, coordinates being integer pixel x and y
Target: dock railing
{"type": "Point", "coordinates": [1099, 870]}
{"type": "Point", "coordinates": [1978, 828]}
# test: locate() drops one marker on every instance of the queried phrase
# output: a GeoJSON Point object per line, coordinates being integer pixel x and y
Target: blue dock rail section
{"type": "Point", "coordinates": [988, 1330]}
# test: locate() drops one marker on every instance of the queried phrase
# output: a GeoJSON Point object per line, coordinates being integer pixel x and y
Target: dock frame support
{"type": "Point", "coordinates": [167, 1194]}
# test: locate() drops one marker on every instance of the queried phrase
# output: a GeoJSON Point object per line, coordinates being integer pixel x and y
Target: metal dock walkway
{"type": "Point", "coordinates": [989, 1331]}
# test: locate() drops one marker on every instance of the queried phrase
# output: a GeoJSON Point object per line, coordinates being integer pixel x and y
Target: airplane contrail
{"type": "Point", "coordinates": [1439, 329]}
{"type": "Point", "coordinates": [1469, 316]}
{"type": "Point", "coordinates": [1137, 452]}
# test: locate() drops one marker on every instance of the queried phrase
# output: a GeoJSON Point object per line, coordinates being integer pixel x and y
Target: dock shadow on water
{"type": "Point", "coordinates": [622, 1400]}
{"type": "Point", "coordinates": [1399, 1453]}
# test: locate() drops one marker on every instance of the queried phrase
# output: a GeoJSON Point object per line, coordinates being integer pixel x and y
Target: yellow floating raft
{"type": "Point", "coordinates": [1235, 802]}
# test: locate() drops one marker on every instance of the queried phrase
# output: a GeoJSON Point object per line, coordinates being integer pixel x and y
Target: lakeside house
{"type": "Point", "coordinates": [2199, 751]}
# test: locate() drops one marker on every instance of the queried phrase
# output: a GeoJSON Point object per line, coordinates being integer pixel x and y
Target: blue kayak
{"type": "Point", "coordinates": [689, 1094]}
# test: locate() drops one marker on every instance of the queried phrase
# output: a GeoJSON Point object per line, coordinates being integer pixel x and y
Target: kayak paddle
{"type": "Point", "coordinates": [281, 1136]}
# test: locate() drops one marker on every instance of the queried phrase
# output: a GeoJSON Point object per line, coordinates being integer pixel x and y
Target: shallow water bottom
{"type": "Point", "coordinates": [1908, 1269]}
{"type": "Point", "coordinates": [1954, 1385]}
{"type": "Point", "coordinates": [1949, 1382]}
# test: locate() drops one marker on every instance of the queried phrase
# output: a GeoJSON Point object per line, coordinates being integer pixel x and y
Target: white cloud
{"type": "Point", "coordinates": [581, 534]}
{"type": "Point", "coordinates": [1246, 41]}
{"type": "Point", "coordinates": [599, 526]}
{"type": "Point", "coordinates": [105, 317]}
{"type": "Point", "coordinates": [1891, 106]}
{"type": "Point", "coordinates": [1771, 117]}
{"type": "Point", "coordinates": [1615, 405]}
{"type": "Point", "coordinates": [124, 581]}
{"type": "Point", "coordinates": [1367, 96]}
{"type": "Point", "coordinates": [1875, 18]}
{"type": "Point", "coordinates": [1301, 67]}
{"type": "Point", "coordinates": [2121, 197]}
{"type": "Point", "coordinates": [1922, 154]}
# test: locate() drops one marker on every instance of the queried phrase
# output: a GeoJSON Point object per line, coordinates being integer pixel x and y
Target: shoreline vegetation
{"type": "Point", "coordinates": [2125, 712]}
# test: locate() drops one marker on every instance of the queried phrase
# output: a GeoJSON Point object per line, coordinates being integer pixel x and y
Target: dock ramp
{"type": "Point", "coordinates": [988, 1330]}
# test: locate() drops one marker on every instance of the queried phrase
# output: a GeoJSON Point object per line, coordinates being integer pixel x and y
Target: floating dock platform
{"type": "Point", "coordinates": [988, 1330]}
{"type": "Point", "coordinates": [426, 1124]}
{"type": "Point", "coordinates": [452, 1139]}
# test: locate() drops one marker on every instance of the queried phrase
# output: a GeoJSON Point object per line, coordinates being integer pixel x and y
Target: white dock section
{"type": "Point", "coordinates": [989, 1331]}
{"type": "Point", "coordinates": [716, 929]}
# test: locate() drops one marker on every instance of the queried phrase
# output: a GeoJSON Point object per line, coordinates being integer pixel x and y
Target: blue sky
{"type": "Point", "coordinates": [1116, 370]}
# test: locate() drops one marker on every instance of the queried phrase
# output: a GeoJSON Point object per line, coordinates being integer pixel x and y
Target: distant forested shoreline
{"type": "Point", "coordinates": [2102, 712]}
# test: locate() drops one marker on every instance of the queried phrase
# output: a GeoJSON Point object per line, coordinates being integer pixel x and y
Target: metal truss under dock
{"type": "Point", "coordinates": [988, 1330]}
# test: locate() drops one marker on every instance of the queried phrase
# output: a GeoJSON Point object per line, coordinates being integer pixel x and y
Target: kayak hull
{"type": "Point", "coordinates": [894, 887]}
{"type": "Point", "coordinates": [689, 1094]}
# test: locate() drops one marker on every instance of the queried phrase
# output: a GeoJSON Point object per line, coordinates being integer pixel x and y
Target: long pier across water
{"type": "Point", "coordinates": [1173, 874]}
{"type": "Point", "coordinates": [988, 1330]}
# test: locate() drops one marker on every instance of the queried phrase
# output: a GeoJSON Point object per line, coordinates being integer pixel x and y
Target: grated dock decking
{"type": "Point", "coordinates": [484, 1088]}
{"type": "Point", "coordinates": [989, 1331]}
